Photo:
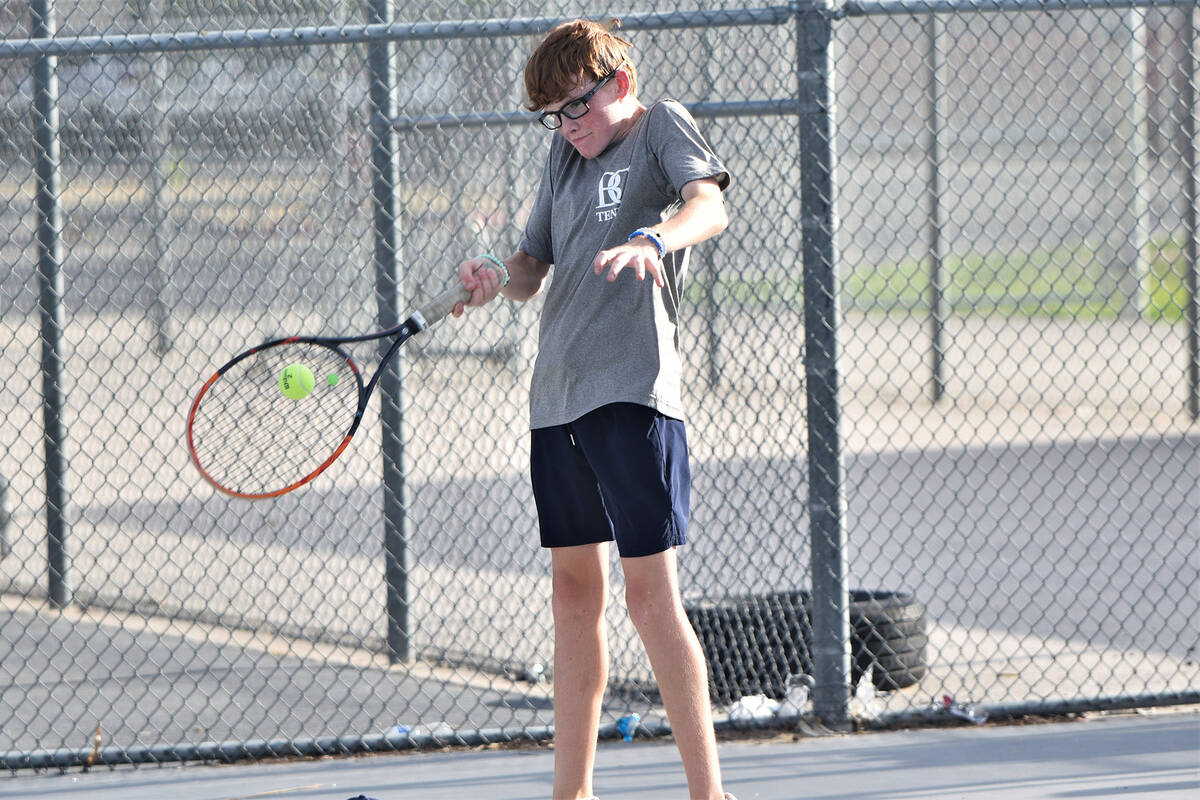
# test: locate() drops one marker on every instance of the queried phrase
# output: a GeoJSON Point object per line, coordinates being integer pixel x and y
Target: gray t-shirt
{"type": "Point", "coordinates": [603, 342]}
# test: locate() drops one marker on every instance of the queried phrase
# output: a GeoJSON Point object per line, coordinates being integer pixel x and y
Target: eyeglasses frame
{"type": "Point", "coordinates": [549, 117]}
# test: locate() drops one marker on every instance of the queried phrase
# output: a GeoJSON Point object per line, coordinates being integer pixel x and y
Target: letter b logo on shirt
{"type": "Point", "coordinates": [610, 188]}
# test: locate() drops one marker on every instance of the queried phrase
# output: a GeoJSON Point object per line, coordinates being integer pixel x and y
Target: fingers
{"type": "Point", "coordinates": [481, 280]}
{"type": "Point", "coordinates": [633, 257]}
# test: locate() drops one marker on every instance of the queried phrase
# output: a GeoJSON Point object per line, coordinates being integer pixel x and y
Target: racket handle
{"type": "Point", "coordinates": [443, 304]}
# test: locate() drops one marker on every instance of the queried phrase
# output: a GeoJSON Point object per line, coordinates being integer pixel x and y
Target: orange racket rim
{"type": "Point", "coordinates": [195, 457]}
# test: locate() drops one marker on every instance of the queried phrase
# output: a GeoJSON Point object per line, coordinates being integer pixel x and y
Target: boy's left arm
{"type": "Point", "coordinates": [701, 217]}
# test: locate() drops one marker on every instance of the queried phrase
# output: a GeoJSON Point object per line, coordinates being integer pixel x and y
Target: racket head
{"type": "Point", "coordinates": [250, 440]}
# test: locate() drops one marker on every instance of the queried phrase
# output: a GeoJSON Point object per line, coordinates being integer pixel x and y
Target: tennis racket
{"type": "Point", "coordinates": [252, 433]}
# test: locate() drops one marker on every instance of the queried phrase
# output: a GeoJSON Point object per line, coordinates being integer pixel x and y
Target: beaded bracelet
{"type": "Point", "coordinates": [498, 263]}
{"type": "Point", "coordinates": [653, 236]}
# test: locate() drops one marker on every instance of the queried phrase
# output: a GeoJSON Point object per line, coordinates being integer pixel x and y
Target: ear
{"type": "Point", "coordinates": [621, 79]}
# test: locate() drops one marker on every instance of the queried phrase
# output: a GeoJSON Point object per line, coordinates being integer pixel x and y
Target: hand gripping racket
{"type": "Point", "coordinates": [254, 434]}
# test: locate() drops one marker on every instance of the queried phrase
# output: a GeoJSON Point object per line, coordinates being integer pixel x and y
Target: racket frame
{"type": "Point", "coordinates": [418, 321]}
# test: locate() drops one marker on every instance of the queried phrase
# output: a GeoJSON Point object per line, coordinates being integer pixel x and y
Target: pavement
{"type": "Point", "coordinates": [1148, 756]}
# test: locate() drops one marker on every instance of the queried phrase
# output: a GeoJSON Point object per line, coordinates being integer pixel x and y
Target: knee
{"type": "Point", "coordinates": [650, 607]}
{"type": "Point", "coordinates": [579, 595]}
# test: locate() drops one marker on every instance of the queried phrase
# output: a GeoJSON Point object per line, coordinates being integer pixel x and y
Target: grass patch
{"type": "Point", "coordinates": [1071, 282]}
{"type": "Point", "coordinates": [1167, 295]}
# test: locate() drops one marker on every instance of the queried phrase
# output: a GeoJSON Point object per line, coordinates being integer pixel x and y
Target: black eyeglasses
{"type": "Point", "coordinates": [576, 108]}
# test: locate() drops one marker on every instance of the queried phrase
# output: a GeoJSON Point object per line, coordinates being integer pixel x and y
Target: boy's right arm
{"type": "Point", "coordinates": [484, 280]}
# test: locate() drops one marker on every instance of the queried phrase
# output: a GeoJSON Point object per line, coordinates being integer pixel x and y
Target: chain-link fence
{"type": "Point", "coordinates": [943, 367]}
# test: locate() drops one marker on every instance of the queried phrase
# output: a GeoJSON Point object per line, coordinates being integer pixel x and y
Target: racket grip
{"type": "Point", "coordinates": [443, 304]}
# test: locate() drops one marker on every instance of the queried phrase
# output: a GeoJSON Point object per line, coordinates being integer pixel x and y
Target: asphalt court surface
{"type": "Point", "coordinates": [1149, 756]}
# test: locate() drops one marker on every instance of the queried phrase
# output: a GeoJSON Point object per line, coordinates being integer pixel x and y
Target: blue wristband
{"type": "Point", "coordinates": [498, 263]}
{"type": "Point", "coordinates": [654, 238]}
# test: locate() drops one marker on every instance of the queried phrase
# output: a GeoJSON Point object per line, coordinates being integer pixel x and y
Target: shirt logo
{"type": "Point", "coordinates": [609, 190]}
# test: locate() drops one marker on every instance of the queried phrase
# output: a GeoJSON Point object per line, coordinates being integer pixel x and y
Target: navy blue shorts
{"type": "Point", "coordinates": [619, 472]}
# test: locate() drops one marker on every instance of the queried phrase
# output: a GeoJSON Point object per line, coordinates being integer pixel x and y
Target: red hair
{"type": "Point", "coordinates": [572, 54]}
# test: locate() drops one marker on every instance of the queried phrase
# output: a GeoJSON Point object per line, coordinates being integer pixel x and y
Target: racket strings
{"type": "Point", "coordinates": [251, 439]}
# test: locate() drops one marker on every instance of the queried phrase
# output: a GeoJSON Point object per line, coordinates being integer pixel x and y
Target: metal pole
{"type": "Point", "coordinates": [933, 156]}
{"type": "Point", "coordinates": [211, 40]}
{"type": "Point", "coordinates": [50, 293]}
{"type": "Point", "coordinates": [1022, 708]}
{"type": "Point", "coordinates": [157, 216]}
{"type": "Point", "coordinates": [385, 171]}
{"type": "Point", "coordinates": [229, 751]}
{"type": "Point", "coordinates": [515, 334]}
{"type": "Point", "coordinates": [706, 254]}
{"type": "Point", "coordinates": [1131, 265]}
{"type": "Point", "coordinates": [5, 518]}
{"type": "Point", "coordinates": [863, 8]}
{"type": "Point", "coordinates": [1191, 213]}
{"type": "Point", "coordinates": [818, 210]}
{"type": "Point", "coordinates": [712, 309]}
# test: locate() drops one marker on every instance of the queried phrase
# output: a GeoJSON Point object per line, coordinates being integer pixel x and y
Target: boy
{"type": "Point", "coordinates": [626, 191]}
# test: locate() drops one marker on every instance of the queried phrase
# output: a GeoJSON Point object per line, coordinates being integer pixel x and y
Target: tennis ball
{"type": "Point", "coordinates": [296, 381]}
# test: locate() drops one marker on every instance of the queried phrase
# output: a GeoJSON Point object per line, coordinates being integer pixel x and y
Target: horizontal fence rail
{"type": "Point", "coordinates": [862, 8]}
{"type": "Point", "coordinates": [360, 34]}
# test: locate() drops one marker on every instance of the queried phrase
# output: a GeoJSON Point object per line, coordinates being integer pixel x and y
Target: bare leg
{"type": "Point", "coordinates": [580, 663]}
{"type": "Point", "coordinates": [652, 592]}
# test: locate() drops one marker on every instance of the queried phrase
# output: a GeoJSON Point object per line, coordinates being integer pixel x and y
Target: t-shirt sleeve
{"type": "Point", "coordinates": [538, 240]}
{"type": "Point", "coordinates": [680, 148]}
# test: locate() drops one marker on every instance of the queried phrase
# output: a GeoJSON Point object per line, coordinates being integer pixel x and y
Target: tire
{"type": "Point", "coordinates": [887, 639]}
{"type": "Point", "coordinates": [752, 643]}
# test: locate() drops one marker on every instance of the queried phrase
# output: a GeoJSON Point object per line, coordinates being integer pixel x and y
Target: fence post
{"type": "Point", "coordinates": [156, 155]}
{"type": "Point", "coordinates": [933, 158]}
{"type": "Point", "coordinates": [818, 212]}
{"type": "Point", "coordinates": [50, 294]}
{"type": "Point", "coordinates": [1131, 168]}
{"type": "Point", "coordinates": [704, 254]}
{"type": "Point", "coordinates": [385, 172]}
{"type": "Point", "coordinates": [1191, 213]}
